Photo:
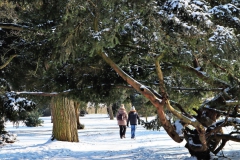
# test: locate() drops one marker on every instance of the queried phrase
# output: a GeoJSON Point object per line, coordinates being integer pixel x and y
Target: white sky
{"type": "Point", "coordinates": [99, 140]}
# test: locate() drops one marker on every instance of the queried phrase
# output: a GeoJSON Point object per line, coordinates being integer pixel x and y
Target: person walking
{"type": "Point", "coordinates": [133, 118]}
{"type": "Point", "coordinates": [122, 118]}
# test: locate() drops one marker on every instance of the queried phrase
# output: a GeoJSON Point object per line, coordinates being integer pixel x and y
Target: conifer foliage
{"type": "Point", "coordinates": [182, 55]}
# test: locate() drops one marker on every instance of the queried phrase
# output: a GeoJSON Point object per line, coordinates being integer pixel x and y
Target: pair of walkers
{"type": "Point", "coordinates": [123, 121]}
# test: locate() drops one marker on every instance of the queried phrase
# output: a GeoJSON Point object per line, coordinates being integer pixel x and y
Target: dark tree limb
{"type": "Point", "coordinates": [218, 127]}
{"type": "Point", "coordinates": [13, 26]}
{"type": "Point", "coordinates": [203, 76]}
{"type": "Point", "coordinates": [229, 137]}
{"type": "Point", "coordinates": [234, 114]}
{"type": "Point", "coordinates": [191, 142]}
{"type": "Point", "coordinates": [223, 143]}
{"type": "Point", "coordinates": [224, 70]}
{"type": "Point", "coordinates": [181, 109]}
{"type": "Point", "coordinates": [197, 89]}
{"type": "Point", "coordinates": [52, 94]}
{"type": "Point", "coordinates": [8, 61]}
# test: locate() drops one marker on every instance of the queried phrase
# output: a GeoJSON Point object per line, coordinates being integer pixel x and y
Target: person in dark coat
{"type": "Point", "coordinates": [123, 121]}
{"type": "Point", "coordinates": [133, 118]}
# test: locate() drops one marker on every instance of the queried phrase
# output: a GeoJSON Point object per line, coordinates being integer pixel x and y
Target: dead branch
{"type": "Point", "coordinates": [224, 70]}
{"type": "Point", "coordinates": [181, 109]}
{"type": "Point", "coordinates": [197, 89]}
{"type": "Point", "coordinates": [8, 61]}
{"type": "Point", "coordinates": [45, 93]}
{"type": "Point", "coordinates": [203, 76]}
{"type": "Point", "coordinates": [218, 127]}
{"type": "Point", "coordinates": [13, 26]}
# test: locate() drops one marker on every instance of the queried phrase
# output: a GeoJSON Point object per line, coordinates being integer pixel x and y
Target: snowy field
{"type": "Point", "coordinates": [99, 141]}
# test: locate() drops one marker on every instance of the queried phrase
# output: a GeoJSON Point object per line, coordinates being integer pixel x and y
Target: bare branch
{"type": "Point", "coordinates": [224, 70]}
{"type": "Point", "coordinates": [181, 109]}
{"type": "Point", "coordinates": [198, 89]}
{"type": "Point", "coordinates": [13, 26]}
{"type": "Point", "coordinates": [203, 76]}
{"type": "Point", "coordinates": [8, 61]}
{"type": "Point", "coordinates": [218, 127]}
{"type": "Point", "coordinates": [232, 103]}
{"type": "Point", "coordinates": [223, 112]}
{"type": "Point", "coordinates": [52, 94]}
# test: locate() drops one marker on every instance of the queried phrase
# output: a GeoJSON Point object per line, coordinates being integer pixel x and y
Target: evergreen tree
{"type": "Point", "coordinates": [175, 53]}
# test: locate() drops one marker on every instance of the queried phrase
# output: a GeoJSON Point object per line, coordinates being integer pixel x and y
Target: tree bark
{"type": "Point", "coordinates": [76, 108]}
{"type": "Point", "coordinates": [110, 112]}
{"type": "Point", "coordinates": [64, 120]}
{"type": "Point", "coordinates": [96, 109]}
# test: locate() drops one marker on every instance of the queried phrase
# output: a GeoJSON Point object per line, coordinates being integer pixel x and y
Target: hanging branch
{"type": "Point", "coordinates": [223, 112]}
{"type": "Point", "coordinates": [203, 76]}
{"type": "Point", "coordinates": [224, 70]}
{"type": "Point", "coordinates": [232, 103]}
{"type": "Point", "coordinates": [219, 127]}
{"type": "Point", "coordinates": [8, 61]}
{"type": "Point", "coordinates": [197, 89]}
{"type": "Point", "coordinates": [13, 26]}
{"type": "Point", "coordinates": [181, 109]}
{"type": "Point", "coordinates": [52, 94]}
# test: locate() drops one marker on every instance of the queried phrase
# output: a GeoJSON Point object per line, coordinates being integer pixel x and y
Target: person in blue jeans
{"type": "Point", "coordinates": [134, 119]}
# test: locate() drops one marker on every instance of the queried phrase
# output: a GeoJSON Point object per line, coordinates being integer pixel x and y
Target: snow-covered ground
{"type": "Point", "coordinates": [99, 140]}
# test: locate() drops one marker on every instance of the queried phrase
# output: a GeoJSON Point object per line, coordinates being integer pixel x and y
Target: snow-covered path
{"type": "Point", "coordinates": [99, 140]}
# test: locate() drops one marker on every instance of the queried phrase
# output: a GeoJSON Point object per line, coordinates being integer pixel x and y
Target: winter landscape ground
{"type": "Point", "coordinates": [100, 140]}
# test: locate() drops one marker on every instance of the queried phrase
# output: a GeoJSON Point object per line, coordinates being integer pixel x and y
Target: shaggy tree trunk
{"type": "Point", "coordinates": [64, 120]}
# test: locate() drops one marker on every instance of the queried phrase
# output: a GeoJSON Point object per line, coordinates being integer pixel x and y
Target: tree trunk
{"type": "Point", "coordinates": [110, 112]}
{"type": "Point", "coordinates": [51, 109]}
{"type": "Point", "coordinates": [64, 120]}
{"type": "Point", "coordinates": [77, 113]}
{"type": "Point", "coordinates": [76, 108]}
{"type": "Point", "coordinates": [96, 109]}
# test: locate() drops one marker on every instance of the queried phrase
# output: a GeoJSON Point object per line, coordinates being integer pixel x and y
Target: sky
{"type": "Point", "coordinates": [99, 140]}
